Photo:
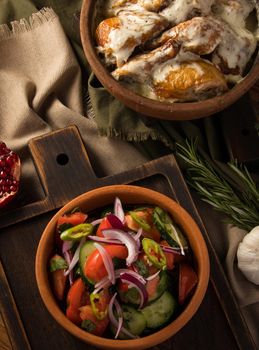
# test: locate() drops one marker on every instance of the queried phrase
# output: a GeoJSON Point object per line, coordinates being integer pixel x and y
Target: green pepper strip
{"type": "Point", "coordinates": [141, 222]}
{"type": "Point", "coordinates": [154, 253]}
{"type": "Point", "coordinates": [94, 298]}
{"type": "Point", "coordinates": [77, 232]}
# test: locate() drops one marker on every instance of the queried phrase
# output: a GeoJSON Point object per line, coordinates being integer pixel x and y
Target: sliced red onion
{"type": "Point", "coordinates": [107, 262]}
{"type": "Point", "coordinates": [118, 209]}
{"type": "Point", "coordinates": [103, 283]}
{"type": "Point", "coordinates": [104, 280]}
{"type": "Point", "coordinates": [113, 319]}
{"type": "Point", "coordinates": [128, 278]}
{"type": "Point", "coordinates": [130, 272]}
{"type": "Point", "coordinates": [96, 222]}
{"type": "Point", "coordinates": [75, 259]}
{"type": "Point", "coordinates": [150, 278]}
{"type": "Point", "coordinates": [68, 257]}
{"type": "Point", "coordinates": [138, 234]}
{"type": "Point", "coordinates": [120, 323]}
{"type": "Point", "coordinates": [115, 222]}
{"type": "Point", "coordinates": [174, 250]}
{"type": "Point", "coordinates": [178, 239]}
{"type": "Point", "coordinates": [104, 240]}
{"type": "Point", "coordinates": [66, 245]}
{"type": "Point", "coordinates": [126, 239]}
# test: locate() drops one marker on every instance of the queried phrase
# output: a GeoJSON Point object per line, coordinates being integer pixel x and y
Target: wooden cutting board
{"type": "Point", "coordinates": [65, 172]}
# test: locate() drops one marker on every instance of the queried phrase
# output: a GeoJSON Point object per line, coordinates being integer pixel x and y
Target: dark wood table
{"type": "Point", "coordinates": [218, 322]}
{"type": "Point", "coordinates": [21, 309]}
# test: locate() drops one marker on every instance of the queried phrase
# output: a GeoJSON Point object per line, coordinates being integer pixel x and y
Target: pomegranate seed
{"type": "Point", "coordinates": [9, 167]}
{"type": "Point", "coordinates": [3, 174]}
{"type": "Point", "coordinates": [9, 161]}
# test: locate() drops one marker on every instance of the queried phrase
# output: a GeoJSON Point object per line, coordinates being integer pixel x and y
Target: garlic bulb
{"type": "Point", "coordinates": [248, 255]}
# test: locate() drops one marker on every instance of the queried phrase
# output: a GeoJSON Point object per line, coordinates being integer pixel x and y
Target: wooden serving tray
{"type": "Point", "coordinates": [65, 172]}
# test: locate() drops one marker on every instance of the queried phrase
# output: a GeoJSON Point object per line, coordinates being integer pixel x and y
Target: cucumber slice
{"type": "Point", "coordinates": [160, 311]}
{"type": "Point", "coordinates": [168, 229]}
{"type": "Point", "coordinates": [133, 321]}
{"type": "Point", "coordinates": [86, 249]}
{"type": "Point", "coordinates": [131, 296]}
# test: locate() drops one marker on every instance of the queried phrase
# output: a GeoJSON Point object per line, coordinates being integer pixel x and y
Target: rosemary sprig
{"type": "Point", "coordinates": [241, 207]}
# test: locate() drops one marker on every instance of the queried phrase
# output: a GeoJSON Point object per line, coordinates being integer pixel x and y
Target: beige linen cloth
{"type": "Point", "coordinates": [40, 91]}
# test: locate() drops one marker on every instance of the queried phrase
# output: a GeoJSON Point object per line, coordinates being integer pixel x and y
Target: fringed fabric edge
{"type": "Point", "coordinates": [46, 14]}
{"type": "Point", "coordinates": [135, 136]}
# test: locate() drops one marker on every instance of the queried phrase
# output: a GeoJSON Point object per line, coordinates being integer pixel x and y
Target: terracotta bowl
{"type": "Point", "coordinates": [149, 107]}
{"type": "Point", "coordinates": [131, 195]}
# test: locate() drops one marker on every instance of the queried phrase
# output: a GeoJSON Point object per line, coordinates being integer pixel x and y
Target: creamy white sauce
{"type": "Point", "coordinates": [233, 12]}
{"type": "Point", "coordinates": [134, 26]}
{"type": "Point", "coordinates": [237, 48]}
{"type": "Point", "coordinates": [160, 72]}
{"type": "Point", "coordinates": [153, 5]}
{"type": "Point", "coordinates": [200, 34]}
{"type": "Point", "coordinates": [224, 35]}
{"type": "Point", "coordinates": [179, 11]}
{"type": "Point", "coordinates": [141, 67]}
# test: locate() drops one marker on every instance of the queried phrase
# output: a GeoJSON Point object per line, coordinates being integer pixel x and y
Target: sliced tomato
{"type": "Point", "coordinates": [147, 216]}
{"type": "Point", "coordinates": [151, 286]}
{"type": "Point", "coordinates": [57, 277]}
{"type": "Point", "coordinates": [58, 281]}
{"type": "Point", "coordinates": [94, 268]}
{"type": "Point", "coordinates": [187, 281]}
{"type": "Point", "coordinates": [104, 225]}
{"type": "Point", "coordinates": [73, 219]}
{"type": "Point", "coordinates": [93, 325]}
{"type": "Point", "coordinates": [123, 287]}
{"type": "Point", "coordinates": [169, 256]}
{"type": "Point", "coordinates": [77, 296]}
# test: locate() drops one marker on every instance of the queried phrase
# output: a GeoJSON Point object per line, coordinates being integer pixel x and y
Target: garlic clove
{"type": "Point", "coordinates": [248, 256]}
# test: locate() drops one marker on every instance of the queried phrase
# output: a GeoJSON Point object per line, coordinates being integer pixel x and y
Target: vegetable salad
{"type": "Point", "coordinates": [124, 274]}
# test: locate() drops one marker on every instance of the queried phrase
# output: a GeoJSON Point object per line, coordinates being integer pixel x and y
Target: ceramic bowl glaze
{"type": "Point", "coordinates": [149, 107]}
{"type": "Point", "coordinates": [99, 198]}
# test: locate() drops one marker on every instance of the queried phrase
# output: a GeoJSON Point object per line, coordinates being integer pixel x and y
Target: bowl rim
{"type": "Point", "coordinates": [153, 108]}
{"type": "Point", "coordinates": [166, 332]}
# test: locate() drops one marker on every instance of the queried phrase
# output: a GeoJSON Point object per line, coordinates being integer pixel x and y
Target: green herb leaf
{"type": "Point", "coordinates": [64, 227]}
{"type": "Point", "coordinates": [142, 268]}
{"type": "Point", "coordinates": [118, 263]}
{"type": "Point", "coordinates": [88, 325]}
{"type": "Point", "coordinates": [57, 263]}
{"type": "Point", "coordinates": [241, 206]}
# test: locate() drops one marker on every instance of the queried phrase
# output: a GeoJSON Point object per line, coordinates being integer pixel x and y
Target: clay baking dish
{"type": "Point", "coordinates": [99, 198]}
{"type": "Point", "coordinates": [149, 107]}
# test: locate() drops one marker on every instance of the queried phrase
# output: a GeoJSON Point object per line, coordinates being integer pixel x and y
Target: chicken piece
{"type": "Point", "coordinates": [181, 10]}
{"type": "Point", "coordinates": [188, 81]}
{"type": "Point", "coordinates": [233, 12]}
{"type": "Point", "coordinates": [117, 37]}
{"type": "Point", "coordinates": [140, 67]}
{"type": "Point", "coordinates": [234, 51]}
{"type": "Point", "coordinates": [149, 5]}
{"type": "Point", "coordinates": [199, 35]}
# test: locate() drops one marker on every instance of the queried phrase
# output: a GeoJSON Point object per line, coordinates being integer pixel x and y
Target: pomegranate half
{"type": "Point", "coordinates": [10, 170]}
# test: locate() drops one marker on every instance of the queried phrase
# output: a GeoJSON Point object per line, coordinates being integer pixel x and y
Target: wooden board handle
{"type": "Point", "coordinates": [65, 172]}
{"type": "Point", "coordinates": [62, 164]}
